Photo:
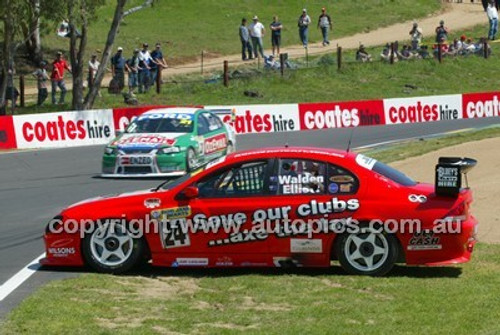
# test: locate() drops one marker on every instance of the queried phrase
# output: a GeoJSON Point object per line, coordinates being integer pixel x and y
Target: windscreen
{"type": "Point", "coordinates": [162, 123]}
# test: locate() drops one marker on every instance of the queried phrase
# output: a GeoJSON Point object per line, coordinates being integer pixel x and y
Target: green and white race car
{"type": "Point", "coordinates": [168, 142]}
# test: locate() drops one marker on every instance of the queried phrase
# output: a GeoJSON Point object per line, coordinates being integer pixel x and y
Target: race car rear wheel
{"type": "Point", "coordinates": [111, 248]}
{"type": "Point", "coordinates": [367, 252]}
{"type": "Point", "coordinates": [190, 159]}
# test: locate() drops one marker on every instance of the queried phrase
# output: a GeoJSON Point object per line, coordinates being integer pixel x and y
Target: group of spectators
{"type": "Point", "coordinates": [142, 68]}
{"type": "Point", "coordinates": [252, 45]}
{"type": "Point", "coordinates": [442, 47]}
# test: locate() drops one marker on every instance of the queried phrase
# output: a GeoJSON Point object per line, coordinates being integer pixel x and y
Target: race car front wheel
{"type": "Point", "coordinates": [111, 248]}
{"type": "Point", "coordinates": [190, 159]}
{"type": "Point", "coordinates": [367, 252]}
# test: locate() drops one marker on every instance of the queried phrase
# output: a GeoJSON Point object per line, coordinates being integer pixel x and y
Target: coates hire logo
{"type": "Point", "coordinates": [479, 105]}
{"type": "Point", "coordinates": [260, 118]}
{"type": "Point", "coordinates": [64, 129]}
{"type": "Point", "coordinates": [423, 109]}
{"type": "Point", "coordinates": [341, 114]}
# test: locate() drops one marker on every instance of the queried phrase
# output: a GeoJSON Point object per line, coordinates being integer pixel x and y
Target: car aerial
{"type": "Point", "coordinates": [275, 207]}
{"type": "Point", "coordinates": [167, 142]}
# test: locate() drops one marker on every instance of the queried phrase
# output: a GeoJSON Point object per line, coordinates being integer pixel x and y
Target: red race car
{"type": "Point", "coordinates": [276, 207]}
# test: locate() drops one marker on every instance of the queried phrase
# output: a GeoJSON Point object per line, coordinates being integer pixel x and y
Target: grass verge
{"type": "Point", "coordinates": [411, 300]}
{"type": "Point", "coordinates": [453, 300]}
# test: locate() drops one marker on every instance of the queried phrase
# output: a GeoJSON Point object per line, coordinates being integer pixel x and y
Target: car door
{"type": "Point", "coordinates": [316, 193]}
{"type": "Point", "coordinates": [222, 213]}
{"type": "Point", "coordinates": [214, 136]}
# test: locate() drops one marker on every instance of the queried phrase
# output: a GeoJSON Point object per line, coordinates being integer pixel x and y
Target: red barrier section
{"type": "Point", "coordinates": [479, 105]}
{"type": "Point", "coordinates": [341, 114]}
{"type": "Point", "coordinates": [7, 133]}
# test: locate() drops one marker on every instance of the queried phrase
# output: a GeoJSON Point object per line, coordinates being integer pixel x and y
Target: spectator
{"type": "Point", "coordinates": [386, 53]}
{"type": "Point", "coordinates": [276, 27]}
{"type": "Point", "coordinates": [257, 32]}
{"type": "Point", "coordinates": [93, 67]}
{"type": "Point", "coordinates": [461, 44]}
{"type": "Point", "coordinates": [132, 67]}
{"type": "Point", "coordinates": [157, 60]}
{"type": "Point", "coordinates": [41, 82]}
{"type": "Point", "coordinates": [144, 73]}
{"type": "Point", "coordinates": [441, 32]}
{"type": "Point", "coordinates": [492, 13]}
{"type": "Point", "coordinates": [416, 36]}
{"type": "Point", "coordinates": [423, 52]}
{"type": "Point", "coordinates": [303, 23]}
{"type": "Point", "coordinates": [245, 41]}
{"type": "Point", "coordinates": [57, 77]}
{"type": "Point", "coordinates": [12, 93]}
{"type": "Point", "coordinates": [325, 23]}
{"type": "Point", "coordinates": [362, 55]}
{"type": "Point", "coordinates": [118, 68]}
{"type": "Point", "coordinates": [485, 4]}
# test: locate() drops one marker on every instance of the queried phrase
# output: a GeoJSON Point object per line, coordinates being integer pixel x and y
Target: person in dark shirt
{"type": "Point", "coordinates": [157, 60]}
{"type": "Point", "coordinates": [246, 46]}
{"type": "Point", "coordinates": [118, 68]}
{"type": "Point", "coordinates": [276, 27]}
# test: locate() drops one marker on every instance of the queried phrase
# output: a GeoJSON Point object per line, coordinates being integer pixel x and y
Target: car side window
{"type": "Point", "coordinates": [242, 180]}
{"type": "Point", "coordinates": [298, 176]}
{"type": "Point", "coordinates": [203, 126]}
{"type": "Point", "coordinates": [212, 121]}
{"type": "Point", "coordinates": [341, 181]}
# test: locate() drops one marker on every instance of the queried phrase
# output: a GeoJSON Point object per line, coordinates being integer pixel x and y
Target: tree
{"type": "Point", "coordinates": [80, 13]}
{"type": "Point", "coordinates": [115, 25]}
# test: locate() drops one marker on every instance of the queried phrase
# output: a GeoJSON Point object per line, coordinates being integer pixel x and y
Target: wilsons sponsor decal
{"type": "Point", "coordinates": [215, 143]}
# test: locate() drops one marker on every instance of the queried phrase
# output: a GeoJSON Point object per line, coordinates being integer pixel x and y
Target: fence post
{"type": "Point", "coordinates": [226, 73]}
{"type": "Point", "coordinates": [485, 49]}
{"type": "Point", "coordinates": [201, 61]}
{"type": "Point", "coordinates": [339, 57]}
{"type": "Point", "coordinates": [391, 57]}
{"type": "Point", "coordinates": [158, 78]}
{"type": "Point", "coordinates": [21, 88]}
{"type": "Point", "coordinates": [440, 53]}
{"type": "Point", "coordinates": [307, 56]}
{"type": "Point", "coordinates": [282, 64]}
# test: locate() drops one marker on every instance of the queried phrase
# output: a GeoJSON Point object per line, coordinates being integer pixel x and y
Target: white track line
{"type": "Point", "coordinates": [16, 280]}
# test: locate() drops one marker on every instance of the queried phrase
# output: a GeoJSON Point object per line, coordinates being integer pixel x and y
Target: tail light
{"type": "Point", "coordinates": [458, 213]}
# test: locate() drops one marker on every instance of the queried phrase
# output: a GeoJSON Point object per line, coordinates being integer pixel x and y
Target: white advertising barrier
{"type": "Point", "coordinates": [64, 129]}
{"type": "Point", "coordinates": [252, 119]}
{"type": "Point", "coordinates": [423, 109]}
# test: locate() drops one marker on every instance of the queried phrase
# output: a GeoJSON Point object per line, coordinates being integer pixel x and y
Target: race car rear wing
{"type": "Point", "coordinates": [449, 172]}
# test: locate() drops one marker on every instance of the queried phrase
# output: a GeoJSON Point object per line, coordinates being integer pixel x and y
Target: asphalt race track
{"type": "Point", "coordinates": [36, 185]}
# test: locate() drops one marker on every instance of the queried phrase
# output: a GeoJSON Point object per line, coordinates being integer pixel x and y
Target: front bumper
{"type": "Point", "coordinates": [144, 165]}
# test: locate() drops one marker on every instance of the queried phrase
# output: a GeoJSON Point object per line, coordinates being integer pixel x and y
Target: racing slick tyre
{"type": "Point", "coordinates": [190, 159]}
{"type": "Point", "coordinates": [111, 248]}
{"type": "Point", "coordinates": [367, 252]}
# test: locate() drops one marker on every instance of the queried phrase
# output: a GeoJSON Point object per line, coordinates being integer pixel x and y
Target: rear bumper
{"type": "Point", "coordinates": [456, 248]}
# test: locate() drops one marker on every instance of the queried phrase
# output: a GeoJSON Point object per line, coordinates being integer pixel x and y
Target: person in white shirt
{"type": "Point", "coordinates": [93, 67]}
{"type": "Point", "coordinates": [492, 13]}
{"type": "Point", "coordinates": [257, 31]}
{"type": "Point", "coordinates": [416, 36]}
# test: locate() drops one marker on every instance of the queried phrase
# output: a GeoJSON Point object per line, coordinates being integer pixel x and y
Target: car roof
{"type": "Point", "coordinates": [173, 110]}
{"type": "Point", "coordinates": [295, 151]}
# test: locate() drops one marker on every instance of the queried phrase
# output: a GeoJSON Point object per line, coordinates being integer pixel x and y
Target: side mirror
{"type": "Point", "coordinates": [191, 192]}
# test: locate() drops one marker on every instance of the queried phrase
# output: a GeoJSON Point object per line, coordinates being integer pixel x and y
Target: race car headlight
{"type": "Point", "coordinates": [168, 150]}
{"type": "Point", "coordinates": [110, 151]}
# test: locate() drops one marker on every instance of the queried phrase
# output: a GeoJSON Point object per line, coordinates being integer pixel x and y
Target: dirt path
{"type": "Point", "coordinates": [456, 17]}
{"type": "Point", "coordinates": [484, 180]}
